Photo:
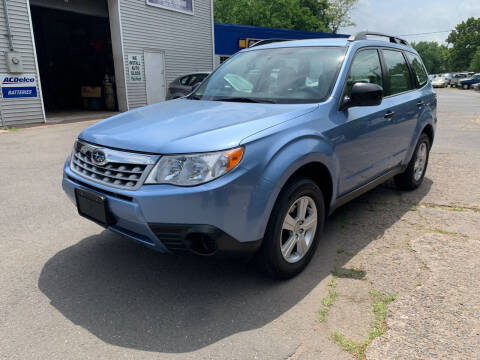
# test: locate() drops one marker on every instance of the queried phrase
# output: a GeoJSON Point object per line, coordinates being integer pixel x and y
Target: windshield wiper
{"type": "Point", "coordinates": [246, 99]}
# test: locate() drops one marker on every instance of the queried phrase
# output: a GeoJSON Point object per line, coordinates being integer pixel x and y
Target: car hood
{"type": "Point", "coordinates": [185, 126]}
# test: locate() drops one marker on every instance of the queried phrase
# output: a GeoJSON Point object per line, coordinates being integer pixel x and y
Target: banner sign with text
{"type": "Point", "coordinates": [19, 86]}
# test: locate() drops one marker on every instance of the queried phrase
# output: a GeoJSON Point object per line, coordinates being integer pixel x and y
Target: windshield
{"type": "Point", "coordinates": [280, 75]}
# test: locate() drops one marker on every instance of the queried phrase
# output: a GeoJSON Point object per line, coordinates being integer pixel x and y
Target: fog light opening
{"type": "Point", "coordinates": [201, 244]}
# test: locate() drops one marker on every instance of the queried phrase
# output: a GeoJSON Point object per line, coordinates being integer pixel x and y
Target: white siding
{"type": "Point", "coordinates": [186, 39]}
{"type": "Point", "coordinates": [19, 111]}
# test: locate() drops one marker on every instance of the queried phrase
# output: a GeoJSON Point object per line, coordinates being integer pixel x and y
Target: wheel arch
{"type": "Point", "coordinates": [319, 173]}
{"type": "Point", "coordinates": [428, 130]}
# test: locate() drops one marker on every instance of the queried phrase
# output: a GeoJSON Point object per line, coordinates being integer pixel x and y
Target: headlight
{"type": "Point", "coordinates": [194, 169]}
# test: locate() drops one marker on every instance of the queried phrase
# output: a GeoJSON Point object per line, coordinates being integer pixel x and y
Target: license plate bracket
{"type": "Point", "coordinates": [93, 206]}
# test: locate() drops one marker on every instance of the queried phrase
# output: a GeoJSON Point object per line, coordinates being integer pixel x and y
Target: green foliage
{"type": "Point", "coordinates": [339, 14]}
{"type": "Point", "coordinates": [380, 309]}
{"type": "Point", "coordinates": [311, 15]}
{"type": "Point", "coordinates": [434, 56]}
{"type": "Point", "coordinates": [475, 64]}
{"type": "Point", "coordinates": [328, 301]}
{"type": "Point", "coordinates": [465, 40]}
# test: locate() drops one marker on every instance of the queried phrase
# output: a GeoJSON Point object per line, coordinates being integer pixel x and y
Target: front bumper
{"type": "Point", "coordinates": [209, 219]}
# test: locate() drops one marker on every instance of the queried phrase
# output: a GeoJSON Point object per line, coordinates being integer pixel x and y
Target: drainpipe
{"type": "Point", "coordinates": [7, 21]}
{"type": "Point", "coordinates": [10, 42]}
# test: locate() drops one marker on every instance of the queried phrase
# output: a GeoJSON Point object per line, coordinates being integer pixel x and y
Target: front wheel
{"type": "Point", "coordinates": [413, 176]}
{"type": "Point", "coordinates": [293, 230]}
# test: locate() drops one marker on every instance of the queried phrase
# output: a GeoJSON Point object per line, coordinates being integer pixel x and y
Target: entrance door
{"type": "Point", "coordinates": [155, 76]}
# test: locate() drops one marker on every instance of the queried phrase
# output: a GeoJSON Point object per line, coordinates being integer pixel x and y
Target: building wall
{"type": "Point", "coordinates": [19, 111]}
{"type": "Point", "coordinates": [186, 40]}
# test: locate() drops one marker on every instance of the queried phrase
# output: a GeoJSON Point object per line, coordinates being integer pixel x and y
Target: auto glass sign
{"type": "Point", "coordinates": [15, 87]}
{"type": "Point", "coordinates": [185, 6]}
{"type": "Point", "coordinates": [135, 67]}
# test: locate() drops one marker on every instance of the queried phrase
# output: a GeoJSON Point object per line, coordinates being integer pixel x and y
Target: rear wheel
{"type": "Point", "coordinates": [293, 230]}
{"type": "Point", "coordinates": [413, 176]}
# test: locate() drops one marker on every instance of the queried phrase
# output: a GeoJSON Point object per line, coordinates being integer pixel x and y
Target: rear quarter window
{"type": "Point", "coordinates": [398, 74]}
{"type": "Point", "coordinates": [418, 69]}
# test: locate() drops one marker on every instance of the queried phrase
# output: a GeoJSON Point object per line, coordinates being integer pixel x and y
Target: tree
{"type": "Point", "coordinates": [434, 56]}
{"type": "Point", "coordinates": [465, 40]}
{"type": "Point", "coordinates": [475, 64]}
{"type": "Point", "coordinates": [312, 15]}
{"type": "Point", "coordinates": [339, 14]}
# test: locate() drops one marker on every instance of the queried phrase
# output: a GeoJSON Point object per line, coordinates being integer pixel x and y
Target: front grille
{"type": "Point", "coordinates": [119, 169]}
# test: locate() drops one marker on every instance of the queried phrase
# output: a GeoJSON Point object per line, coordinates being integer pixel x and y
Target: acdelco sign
{"type": "Point", "coordinates": [24, 86]}
{"type": "Point", "coordinates": [17, 80]}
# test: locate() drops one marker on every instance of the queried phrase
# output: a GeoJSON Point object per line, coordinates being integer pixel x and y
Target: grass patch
{"type": "Point", "coordinates": [414, 208]}
{"type": "Point", "coordinates": [340, 250]}
{"type": "Point", "coordinates": [358, 350]}
{"type": "Point", "coordinates": [459, 209]}
{"type": "Point", "coordinates": [380, 309]}
{"type": "Point", "coordinates": [352, 273]}
{"type": "Point", "coordinates": [9, 128]}
{"type": "Point", "coordinates": [443, 232]}
{"type": "Point", "coordinates": [451, 208]}
{"type": "Point", "coordinates": [328, 301]}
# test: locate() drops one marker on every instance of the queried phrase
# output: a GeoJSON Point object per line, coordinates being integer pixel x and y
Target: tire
{"type": "Point", "coordinates": [412, 178]}
{"type": "Point", "coordinates": [271, 259]}
{"type": "Point", "coordinates": [466, 87]}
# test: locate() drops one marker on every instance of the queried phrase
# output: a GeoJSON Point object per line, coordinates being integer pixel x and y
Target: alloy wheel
{"type": "Point", "coordinates": [298, 229]}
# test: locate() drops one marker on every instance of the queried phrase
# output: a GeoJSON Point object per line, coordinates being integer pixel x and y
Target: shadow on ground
{"type": "Point", "coordinates": [130, 296]}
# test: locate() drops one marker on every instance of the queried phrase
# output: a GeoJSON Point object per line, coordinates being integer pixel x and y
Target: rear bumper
{"type": "Point", "coordinates": [210, 219]}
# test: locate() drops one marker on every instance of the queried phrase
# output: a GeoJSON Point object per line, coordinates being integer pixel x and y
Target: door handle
{"type": "Point", "coordinates": [389, 115]}
{"type": "Point", "coordinates": [420, 103]}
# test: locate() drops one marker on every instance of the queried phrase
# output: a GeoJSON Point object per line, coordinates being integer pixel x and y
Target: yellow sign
{"type": "Point", "coordinates": [244, 43]}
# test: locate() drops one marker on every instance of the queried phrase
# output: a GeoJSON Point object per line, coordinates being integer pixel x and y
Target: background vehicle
{"type": "Point", "coordinates": [184, 85]}
{"type": "Point", "coordinates": [476, 86]}
{"type": "Point", "coordinates": [468, 82]}
{"type": "Point", "coordinates": [440, 82]}
{"type": "Point", "coordinates": [456, 79]}
{"type": "Point", "coordinates": [256, 158]}
{"type": "Point", "coordinates": [448, 77]}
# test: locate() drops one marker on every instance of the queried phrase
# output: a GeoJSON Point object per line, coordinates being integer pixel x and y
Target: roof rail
{"type": "Point", "coordinates": [363, 36]}
{"type": "Point", "coordinates": [268, 41]}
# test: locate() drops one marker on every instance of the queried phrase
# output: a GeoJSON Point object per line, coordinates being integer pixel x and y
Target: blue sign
{"type": "Point", "coordinates": [19, 92]}
{"type": "Point", "coordinates": [18, 86]}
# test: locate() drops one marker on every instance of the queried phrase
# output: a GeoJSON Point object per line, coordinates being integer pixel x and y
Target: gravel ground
{"type": "Point", "coordinates": [70, 290]}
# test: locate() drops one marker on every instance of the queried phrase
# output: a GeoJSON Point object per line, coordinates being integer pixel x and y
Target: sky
{"type": "Point", "coordinates": [404, 17]}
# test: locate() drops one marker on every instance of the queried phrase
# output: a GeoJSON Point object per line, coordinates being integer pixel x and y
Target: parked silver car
{"type": "Point", "coordinates": [184, 85]}
{"type": "Point", "coordinates": [440, 82]}
{"type": "Point", "coordinates": [456, 79]}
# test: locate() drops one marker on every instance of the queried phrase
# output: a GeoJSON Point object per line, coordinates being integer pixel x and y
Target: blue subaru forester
{"type": "Point", "coordinates": [262, 151]}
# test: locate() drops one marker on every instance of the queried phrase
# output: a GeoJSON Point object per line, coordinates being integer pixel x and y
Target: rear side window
{"type": "Point", "coordinates": [185, 80]}
{"type": "Point", "coordinates": [398, 75]}
{"type": "Point", "coordinates": [418, 69]}
{"type": "Point", "coordinates": [196, 79]}
{"type": "Point", "coordinates": [366, 68]}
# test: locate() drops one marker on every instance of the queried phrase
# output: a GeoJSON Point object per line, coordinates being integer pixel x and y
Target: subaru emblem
{"type": "Point", "coordinates": [98, 157]}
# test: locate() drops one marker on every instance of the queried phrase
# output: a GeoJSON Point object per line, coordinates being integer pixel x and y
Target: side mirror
{"type": "Point", "coordinates": [363, 94]}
